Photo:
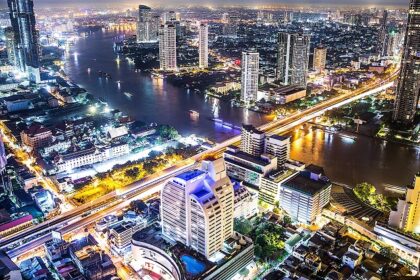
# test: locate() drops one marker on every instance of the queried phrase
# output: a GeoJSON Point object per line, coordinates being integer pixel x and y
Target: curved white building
{"type": "Point", "coordinates": [197, 208]}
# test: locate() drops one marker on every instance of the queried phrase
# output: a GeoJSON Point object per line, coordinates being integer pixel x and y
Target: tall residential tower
{"type": "Point", "coordinates": [203, 45]}
{"type": "Point", "coordinates": [409, 80]}
{"type": "Point", "coordinates": [167, 47]}
{"type": "Point", "coordinates": [249, 82]}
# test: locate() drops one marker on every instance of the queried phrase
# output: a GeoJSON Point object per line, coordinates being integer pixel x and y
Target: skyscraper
{"type": "Point", "coordinates": [293, 58]}
{"type": "Point", "coordinates": [197, 208]}
{"type": "Point", "coordinates": [249, 82]}
{"type": "Point", "coordinates": [408, 82]}
{"type": "Point", "coordinates": [11, 47]}
{"type": "Point", "coordinates": [146, 25]}
{"type": "Point", "coordinates": [203, 46]}
{"type": "Point", "coordinates": [320, 58]}
{"type": "Point", "coordinates": [22, 18]}
{"type": "Point", "coordinates": [383, 34]}
{"type": "Point", "coordinates": [167, 47]}
{"type": "Point", "coordinates": [230, 27]}
{"type": "Point", "coordinates": [407, 215]}
{"type": "Point", "coordinates": [252, 140]}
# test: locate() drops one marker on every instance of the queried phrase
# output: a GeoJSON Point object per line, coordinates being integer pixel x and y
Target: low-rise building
{"type": "Point", "coordinates": [8, 269]}
{"type": "Point", "coordinates": [271, 185]}
{"type": "Point", "coordinates": [36, 136]}
{"type": "Point", "coordinates": [120, 236]}
{"type": "Point", "coordinates": [280, 94]}
{"type": "Point", "coordinates": [90, 259]}
{"type": "Point", "coordinates": [15, 225]}
{"type": "Point", "coordinates": [246, 202]}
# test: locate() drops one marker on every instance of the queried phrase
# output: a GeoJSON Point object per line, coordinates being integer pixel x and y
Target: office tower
{"type": "Point", "coordinates": [203, 45]}
{"type": "Point", "coordinates": [167, 47]}
{"type": "Point", "coordinates": [407, 215]}
{"type": "Point", "coordinates": [197, 208]}
{"type": "Point", "coordinates": [146, 30]}
{"type": "Point", "coordinates": [22, 18]}
{"type": "Point", "coordinates": [320, 58]}
{"type": "Point", "coordinates": [11, 47]}
{"type": "Point", "coordinates": [154, 28]}
{"type": "Point", "coordinates": [249, 81]}
{"type": "Point", "coordinates": [408, 83]}
{"type": "Point", "coordinates": [293, 58]}
{"type": "Point", "coordinates": [383, 34]}
{"type": "Point", "coordinates": [230, 27]}
{"type": "Point", "coordinates": [252, 140]}
{"type": "Point", "coordinates": [279, 147]}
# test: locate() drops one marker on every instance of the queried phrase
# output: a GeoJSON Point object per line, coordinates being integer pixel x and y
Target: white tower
{"type": "Point", "coordinates": [203, 45]}
{"type": "Point", "coordinates": [167, 47]}
{"type": "Point", "coordinates": [250, 70]}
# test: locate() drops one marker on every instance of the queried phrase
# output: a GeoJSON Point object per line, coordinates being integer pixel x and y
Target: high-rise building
{"type": "Point", "coordinates": [393, 42]}
{"type": "Point", "coordinates": [279, 147]}
{"type": "Point", "coordinates": [250, 71]}
{"type": "Point", "coordinates": [203, 45]}
{"type": "Point", "coordinates": [167, 47]}
{"type": "Point", "coordinates": [409, 81]}
{"type": "Point", "coordinates": [22, 18]}
{"type": "Point", "coordinates": [230, 27]}
{"type": "Point", "coordinates": [146, 25]}
{"type": "Point", "coordinates": [11, 47]}
{"type": "Point", "coordinates": [169, 17]}
{"type": "Point", "coordinates": [293, 58]}
{"type": "Point", "coordinates": [320, 58]}
{"type": "Point", "coordinates": [383, 33]}
{"type": "Point", "coordinates": [197, 208]}
{"type": "Point", "coordinates": [252, 140]}
{"type": "Point", "coordinates": [407, 215]}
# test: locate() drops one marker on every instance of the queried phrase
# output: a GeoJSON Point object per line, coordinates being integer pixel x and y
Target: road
{"type": "Point", "coordinates": [35, 236]}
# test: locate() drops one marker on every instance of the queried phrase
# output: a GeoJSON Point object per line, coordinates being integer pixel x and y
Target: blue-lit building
{"type": "Point", "coordinates": [22, 18]}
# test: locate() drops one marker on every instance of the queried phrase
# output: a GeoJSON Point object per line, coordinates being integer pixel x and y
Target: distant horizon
{"type": "Point", "coordinates": [399, 4]}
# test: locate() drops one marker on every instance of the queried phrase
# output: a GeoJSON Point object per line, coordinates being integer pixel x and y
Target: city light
{"type": "Point", "coordinates": [211, 141]}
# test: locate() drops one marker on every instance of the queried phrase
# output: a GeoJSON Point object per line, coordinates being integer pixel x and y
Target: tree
{"type": "Point", "coordinates": [138, 206]}
{"type": "Point", "coordinates": [132, 172]}
{"type": "Point", "coordinates": [387, 252]}
{"type": "Point", "coordinates": [365, 192]}
{"type": "Point", "coordinates": [287, 220]}
{"type": "Point", "coordinates": [242, 225]}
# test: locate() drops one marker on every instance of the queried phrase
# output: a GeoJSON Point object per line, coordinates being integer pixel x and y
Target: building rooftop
{"type": "Point", "coordinates": [190, 175]}
{"type": "Point", "coordinates": [252, 129]}
{"type": "Point", "coordinates": [248, 157]}
{"type": "Point", "coordinates": [306, 185]}
{"type": "Point", "coordinates": [281, 174]}
{"type": "Point", "coordinates": [278, 137]}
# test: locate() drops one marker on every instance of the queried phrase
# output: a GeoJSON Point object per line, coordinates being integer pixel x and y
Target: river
{"type": "Point", "coordinates": [345, 160]}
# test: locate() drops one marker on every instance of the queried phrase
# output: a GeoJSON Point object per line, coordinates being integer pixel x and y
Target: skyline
{"type": "Point", "coordinates": [219, 3]}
